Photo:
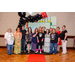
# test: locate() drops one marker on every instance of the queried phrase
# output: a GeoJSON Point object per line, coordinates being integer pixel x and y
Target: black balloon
{"type": "Point", "coordinates": [22, 14]}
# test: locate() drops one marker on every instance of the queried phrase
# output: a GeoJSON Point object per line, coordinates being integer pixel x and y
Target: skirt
{"type": "Point", "coordinates": [34, 47]}
{"type": "Point", "coordinates": [60, 43]}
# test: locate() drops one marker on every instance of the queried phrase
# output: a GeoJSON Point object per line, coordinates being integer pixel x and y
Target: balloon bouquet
{"type": "Point", "coordinates": [24, 20]}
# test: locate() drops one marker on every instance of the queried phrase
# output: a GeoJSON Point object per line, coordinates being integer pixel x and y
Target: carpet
{"type": "Point", "coordinates": [36, 58]}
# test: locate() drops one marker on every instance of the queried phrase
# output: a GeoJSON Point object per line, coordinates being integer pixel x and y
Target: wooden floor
{"type": "Point", "coordinates": [69, 57]}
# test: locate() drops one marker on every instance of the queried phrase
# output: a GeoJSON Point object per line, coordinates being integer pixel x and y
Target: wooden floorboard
{"type": "Point", "coordinates": [69, 57]}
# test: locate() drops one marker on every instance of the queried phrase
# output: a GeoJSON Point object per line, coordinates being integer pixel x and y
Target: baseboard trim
{"type": "Point", "coordinates": [60, 47]}
{"type": "Point", "coordinates": [68, 47]}
{"type": "Point", "coordinates": [3, 46]}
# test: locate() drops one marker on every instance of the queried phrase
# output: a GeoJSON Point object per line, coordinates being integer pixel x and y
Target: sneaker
{"type": "Point", "coordinates": [40, 52]}
{"type": "Point", "coordinates": [36, 52]}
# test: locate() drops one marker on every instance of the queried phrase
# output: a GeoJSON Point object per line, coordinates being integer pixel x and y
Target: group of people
{"type": "Point", "coordinates": [42, 39]}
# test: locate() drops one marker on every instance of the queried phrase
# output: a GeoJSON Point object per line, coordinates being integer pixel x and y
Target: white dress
{"type": "Point", "coordinates": [47, 43]}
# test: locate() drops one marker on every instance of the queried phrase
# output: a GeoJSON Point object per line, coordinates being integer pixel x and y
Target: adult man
{"type": "Point", "coordinates": [23, 39]}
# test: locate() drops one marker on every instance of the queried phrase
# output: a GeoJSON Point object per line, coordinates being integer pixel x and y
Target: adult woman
{"type": "Point", "coordinates": [47, 42]}
{"type": "Point", "coordinates": [9, 39]}
{"type": "Point", "coordinates": [29, 38]}
{"type": "Point", "coordinates": [34, 40]}
{"type": "Point", "coordinates": [43, 32]}
{"type": "Point", "coordinates": [40, 38]}
{"type": "Point", "coordinates": [58, 31]}
{"type": "Point", "coordinates": [54, 38]}
{"type": "Point", "coordinates": [44, 28]}
{"type": "Point", "coordinates": [18, 37]}
{"type": "Point", "coordinates": [50, 30]}
{"type": "Point", "coordinates": [63, 36]}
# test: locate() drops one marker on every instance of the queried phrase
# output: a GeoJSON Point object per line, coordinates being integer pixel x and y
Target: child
{"type": "Point", "coordinates": [40, 39]}
{"type": "Point", "coordinates": [47, 42]}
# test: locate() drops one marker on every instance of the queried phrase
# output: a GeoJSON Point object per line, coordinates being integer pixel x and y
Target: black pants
{"type": "Point", "coordinates": [38, 44]}
{"type": "Point", "coordinates": [22, 44]}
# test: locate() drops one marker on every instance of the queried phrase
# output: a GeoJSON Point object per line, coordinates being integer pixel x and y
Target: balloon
{"type": "Point", "coordinates": [29, 17]}
{"type": "Point", "coordinates": [22, 14]}
{"type": "Point", "coordinates": [30, 13]}
{"type": "Point", "coordinates": [44, 14]}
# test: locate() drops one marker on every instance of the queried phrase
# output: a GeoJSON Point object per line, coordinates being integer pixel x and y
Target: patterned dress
{"type": "Point", "coordinates": [17, 47]}
{"type": "Point", "coordinates": [34, 42]}
{"type": "Point", "coordinates": [47, 43]}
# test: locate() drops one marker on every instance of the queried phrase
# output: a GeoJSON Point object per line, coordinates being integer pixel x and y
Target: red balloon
{"type": "Point", "coordinates": [44, 14]}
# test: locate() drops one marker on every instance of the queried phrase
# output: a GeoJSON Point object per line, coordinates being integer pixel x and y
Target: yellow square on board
{"type": "Point", "coordinates": [43, 21]}
{"type": "Point", "coordinates": [40, 21]}
{"type": "Point", "coordinates": [48, 21]}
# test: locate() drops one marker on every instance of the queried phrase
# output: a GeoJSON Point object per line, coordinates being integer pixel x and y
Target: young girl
{"type": "Point", "coordinates": [47, 42]}
{"type": "Point", "coordinates": [58, 31]}
{"type": "Point", "coordinates": [9, 39]}
{"type": "Point", "coordinates": [40, 38]}
{"type": "Point", "coordinates": [34, 40]}
{"type": "Point", "coordinates": [29, 38]}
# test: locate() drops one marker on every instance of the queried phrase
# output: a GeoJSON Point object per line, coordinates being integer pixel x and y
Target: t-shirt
{"type": "Point", "coordinates": [34, 39]}
{"type": "Point", "coordinates": [62, 35]}
{"type": "Point", "coordinates": [23, 33]}
{"type": "Point", "coordinates": [54, 37]}
{"type": "Point", "coordinates": [45, 32]}
{"type": "Point", "coordinates": [9, 37]}
{"type": "Point", "coordinates": [40, 36]}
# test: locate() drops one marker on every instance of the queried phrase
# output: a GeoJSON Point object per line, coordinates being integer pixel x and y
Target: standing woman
{"type": "Point", "coordinates": [29, 38]}
{"type": "Point", "coordinates": [43, 32]}
{"type": "Point", "coordinates": [18, 37]}
{"type": "Point", "coordinates": [47, 42]}
{"type": "Point", "coordinates": [64, 39]}
{"type": "Point", "coordinates": [59, 44]}
{"type": "Point", "coordinates": [34, 40]}
{"type": "Point", "coordinates": [9, 40]}
{"type": "Point", "coordinates": [50, 30]}
{"type": "Point", "coordinates": [54, 40]}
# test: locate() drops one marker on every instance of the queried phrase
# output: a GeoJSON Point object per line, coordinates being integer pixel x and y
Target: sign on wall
{"type": "Point", "coordinates": [47, 22]}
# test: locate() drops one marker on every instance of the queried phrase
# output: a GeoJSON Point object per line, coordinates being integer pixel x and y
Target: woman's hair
{"type": "Point", "coordinates": [40, 29]}
{"type": "Point", "coordinates": [30, 28]}
{"type": "Point", "coordinates": [48, 31]}
{"type": "Point", "coordinates": [64, 26]}
{"type": "Point", "coordinates": [35, 30]}
{"type": "Point", "coordinates": [17, 28]}
{"type": "Point", "coordinates": [58, 27]}
{"type": "Point", "coordinates": [9, 29]}
{"type": "Point", "coordinates": [54, 29]}
{"type": "Point", "coordinates": [50, 28]}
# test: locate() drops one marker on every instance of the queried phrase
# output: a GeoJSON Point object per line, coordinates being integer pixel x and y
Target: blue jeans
{"type": "Point", "coordinates": [9, 48]}
{"type": "Point", "coordinates": [23, 44]}
{"type": "Point", "coordinates": [53, 45]}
